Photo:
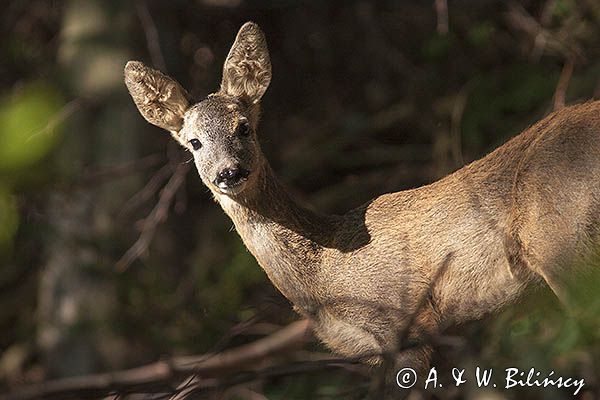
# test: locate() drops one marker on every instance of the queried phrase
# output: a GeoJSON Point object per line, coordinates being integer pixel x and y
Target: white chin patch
{"type": "Point", "coordinates": [231, 190]}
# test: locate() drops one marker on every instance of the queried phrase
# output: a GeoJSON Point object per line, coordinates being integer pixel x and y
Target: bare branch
{"type": "Point", "coordinates": [542, 38]}
{"type": "Point", "coordinates": [159, 376]}
{"type": "Point", "coordinates": [403, 341]}
{"type": "Point", "coordinates": [152, 39]}
{"type": "Point", "coordinates": [458, 111]}
{"type": "Point", "coordinates": [563, 83]}
{"type": "Point", "coordinates": [156, 217]}
{"type": "Point", "coordinates": [148, 190]}
{"type": "Point", "coordinates": [441, 9]}
{"type": "Point", "coordinates": [100, 174]}
{"type": "Point", "coordinates": [61, 116]}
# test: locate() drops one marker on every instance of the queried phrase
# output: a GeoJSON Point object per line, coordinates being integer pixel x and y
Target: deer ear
{"type": "Point", "coordinates": [247, 69]}
{"type": "Point", "coordinates": [161, 100]}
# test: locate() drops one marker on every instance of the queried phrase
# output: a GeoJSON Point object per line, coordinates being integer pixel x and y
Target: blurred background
{"type": "Point", "coordinates": [113, 254]}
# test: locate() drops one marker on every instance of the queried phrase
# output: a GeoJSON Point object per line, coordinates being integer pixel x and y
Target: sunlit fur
{"type": "Point", "coordinates": [520, 215]}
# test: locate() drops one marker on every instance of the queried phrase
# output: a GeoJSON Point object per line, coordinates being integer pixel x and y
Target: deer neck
{"type": "Point", "coordinates": [287, 240]}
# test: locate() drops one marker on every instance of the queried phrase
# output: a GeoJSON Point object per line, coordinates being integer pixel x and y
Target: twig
{"type": "Point", "coordinates": [235, 330]}
{"type": "Point", "coordinates": [546, 15]}
{"type": "Point", "coordinates": [520, 20]}
{"type": "Point", "coordinates": [441, 9]}
{"type": "Point", "coordinates": [204, 372]}
{"type": "Point", "coordinates": [199, 386]}
{"type": "Point", "coordinates": [563, 83]}
{"type": "Point", "coordinates": [148, 190]}
{"type": "Point", "coordinates": [540, 39]}
{"type": "Point", "coordinates": [151, 33]}
{"type": "Point", "coordinates": [458, 111]}
{"type": "Point", "coordinates": [157, 216]}
{"type": "Point", "coordinates": [157, 377]}
{"type": "Point", "coordinates": [423, 300]}
{"type": "Point", "coordinates": [100, 174]}
{"type": "Point", "coordinates": [61, 116]}
{"type": "Point", "coordinates": [403, 344]}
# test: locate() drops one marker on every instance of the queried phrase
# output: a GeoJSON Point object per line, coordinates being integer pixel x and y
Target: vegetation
{"type": "Point", "coordinates": [366, 98]}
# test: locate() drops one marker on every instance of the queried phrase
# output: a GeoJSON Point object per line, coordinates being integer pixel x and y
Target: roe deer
{"type": "Point", "coordinates": [519, 216]}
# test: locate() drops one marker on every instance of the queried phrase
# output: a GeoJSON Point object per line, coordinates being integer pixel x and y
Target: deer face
{"type": "Point", "coordinates": [220, 131]}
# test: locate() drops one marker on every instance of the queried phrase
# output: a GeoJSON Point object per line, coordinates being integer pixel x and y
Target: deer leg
{"type": "Point", "coordinates": [347, 339]}
{"type": "Point", "coordinates": [402, 374]}
{"type": "Point", "coordinates": [530, 248]}
{"type": "Point", "coordinates": [541, 259]}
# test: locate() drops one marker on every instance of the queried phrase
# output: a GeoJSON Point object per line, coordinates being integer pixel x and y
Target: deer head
{"type": "Point", "coordinates": [220, 131]}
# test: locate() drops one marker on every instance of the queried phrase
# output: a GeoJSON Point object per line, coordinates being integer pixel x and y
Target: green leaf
{"type": "Point", "coordinates": [30, 124]}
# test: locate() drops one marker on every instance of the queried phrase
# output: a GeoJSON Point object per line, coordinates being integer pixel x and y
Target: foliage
{"type": "Point", "coordinates": [365, 99]}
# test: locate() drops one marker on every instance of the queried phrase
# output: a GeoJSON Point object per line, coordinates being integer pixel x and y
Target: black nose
{"type": "Point", "coordinates": [231, 176]}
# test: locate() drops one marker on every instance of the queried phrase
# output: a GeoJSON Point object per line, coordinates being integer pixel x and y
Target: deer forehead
{"type": "Point", "coordinates": [213, 116]}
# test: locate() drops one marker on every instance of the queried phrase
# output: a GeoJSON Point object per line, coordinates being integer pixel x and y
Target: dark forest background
{"type": "Point", "coordinates": [113, 254]}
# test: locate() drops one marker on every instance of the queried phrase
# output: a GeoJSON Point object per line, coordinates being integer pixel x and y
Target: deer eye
{"type": "Point", "coordinates": [195, 144]}
{"type": "Point", "coordinates": [243, 128]}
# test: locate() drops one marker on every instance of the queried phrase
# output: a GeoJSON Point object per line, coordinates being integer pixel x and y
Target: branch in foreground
{"type": "Point", "coordinates": [159, 376]}
{"type": "Point", "coordinates": [196, 387]}
{"type": "Point", "coordinates": [156, 217]}
{"type": "Point", "coordinates": [563, 83]}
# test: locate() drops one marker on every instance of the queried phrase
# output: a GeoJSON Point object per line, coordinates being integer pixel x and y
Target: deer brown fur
{"type": "Point", "coordinates": [408, 263]}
